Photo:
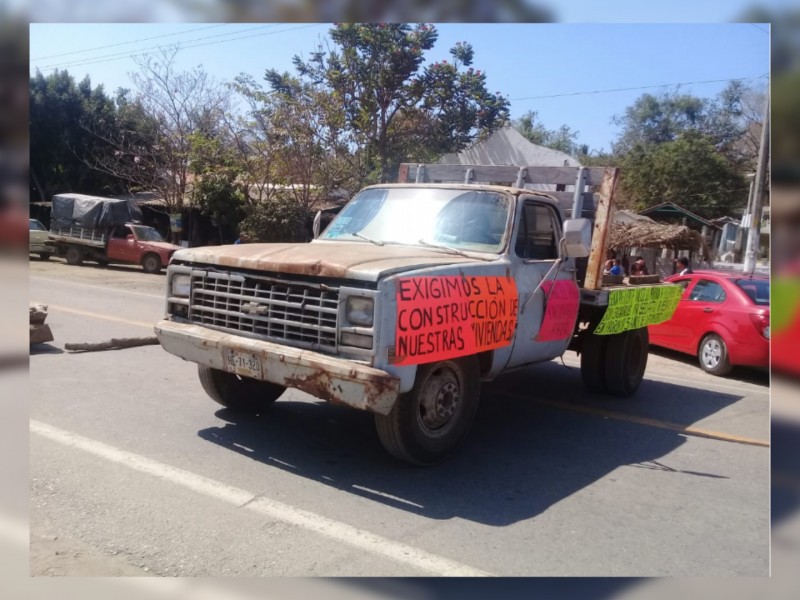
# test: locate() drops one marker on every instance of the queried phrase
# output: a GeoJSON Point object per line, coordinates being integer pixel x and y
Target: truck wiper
{"type": "Point", "coordinates": [370, 240]}
{"type": "Point", "coordinates": [451, 250]}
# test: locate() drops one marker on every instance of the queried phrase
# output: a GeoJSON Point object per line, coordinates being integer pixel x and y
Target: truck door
{"type": "Point", "coordinates": [535, 256]}
{"type": "Point", "coordinates": [119, 247]}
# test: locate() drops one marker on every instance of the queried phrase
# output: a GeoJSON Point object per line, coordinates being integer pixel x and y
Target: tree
{"type": "Point", "coordinates": [292, 141]}
{"type": "Point", "coordinates": [169, 106]}
{"type": "Point", "coordinates": [376, 79]}
{"type": "Point", "coordinates": [688, 171]}
{"type": "Point", "coordinates": [656, 119]}
{"type": "Point", "coordinates": [563, 139]}
{"type": "Point", "coordinates": [58, 143]}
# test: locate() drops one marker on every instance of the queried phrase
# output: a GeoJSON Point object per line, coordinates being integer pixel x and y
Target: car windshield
{"type": "Point", "coordinates": [146, 234]}
{"type": "Point", "coordinates": [36, 226]}
{"type": "Point", "coordinates": [756, 289]}
{"type": "Point", "coordinates": [455, 219]}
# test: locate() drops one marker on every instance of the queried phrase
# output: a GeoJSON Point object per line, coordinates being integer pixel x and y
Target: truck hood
{"type": "Point", "coordinates": [160, 245]}
{"type": "Point", "coordinates": [345, 260]}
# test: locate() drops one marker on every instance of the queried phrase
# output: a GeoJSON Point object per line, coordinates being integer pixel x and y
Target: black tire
{"type": "Point", "coordinates": [44, 255]}
{"type": "Point", "coordinates": [102, 263]}
{"type": "Point", "coordinates": [428, 423]}
{"type": "Point", "coordinates": [713, 355]}
{"type": "Point", "coordinates": [593, 372]}
{"type": "Point", "coordinates": [626, 361]}
{"type": "Point", "coordinates": [151, 263]}
{"type": "Point", "coordinates": [74, 256]}
{"type": "Point", "coordinates": [239, 394]}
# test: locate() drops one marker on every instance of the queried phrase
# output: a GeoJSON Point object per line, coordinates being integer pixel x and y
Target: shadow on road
{"type": "Point", "coordinates": [739, 373]}
{"type": "Point", "coordinates": [521, 458]}
{"type": "Point", "coordinates": [45, 349]}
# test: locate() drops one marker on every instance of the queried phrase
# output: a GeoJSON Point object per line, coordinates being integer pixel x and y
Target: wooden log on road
{"type": "Point", "coordinates": [112, 344]}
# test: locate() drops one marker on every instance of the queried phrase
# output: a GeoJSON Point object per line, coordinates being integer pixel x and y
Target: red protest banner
{"type": "Point", "coordinates": [560, 311]}
{"type": "Point", "coordinates": [447, 317]}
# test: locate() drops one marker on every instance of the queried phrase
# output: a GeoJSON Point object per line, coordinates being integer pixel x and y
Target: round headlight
{"type": "Point", "coordinates": [360, 310]}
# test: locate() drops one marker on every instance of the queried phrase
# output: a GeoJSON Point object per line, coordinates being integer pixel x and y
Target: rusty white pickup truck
{"type": "Point", "coordinates": [416, 293]}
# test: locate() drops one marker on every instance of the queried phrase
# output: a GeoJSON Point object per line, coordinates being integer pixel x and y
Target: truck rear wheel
{"type": "Point", "coordinates": [239, 394]}
{"type": "Point", "coordinates": [151, 263]}
{"type": "Point", "coordinates": [74, 256]}
{"type": "Point", "coordinates": [625, 361]}
{"type": "Point", "coordinates": [593, 370]}
{"type": "Point", "coordinates": [429, 422]}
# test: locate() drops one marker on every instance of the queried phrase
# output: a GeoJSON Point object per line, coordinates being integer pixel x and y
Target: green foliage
{"type": "Point", "coordinates": [563, 139]}
{"type": "Point", "coordinates": [220, 199]}
{"type": "Point", "coordinates": [388, 103]}
{"type": "Point", "coordinates": [688, 171]}
{"type": "Point", "coordinates": [60, 109]}
{"type": "Point", "coordinates": [657, 119]}
{"type": "Point", "coordinates": [280, 219]}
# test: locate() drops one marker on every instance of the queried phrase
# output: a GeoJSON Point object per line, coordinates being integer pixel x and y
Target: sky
{"type": "Point", "coordinates": [579, 75]}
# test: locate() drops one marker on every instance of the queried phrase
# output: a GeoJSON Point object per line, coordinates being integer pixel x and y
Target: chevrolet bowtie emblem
{"type": "Point", "coordinates": [254, 308]}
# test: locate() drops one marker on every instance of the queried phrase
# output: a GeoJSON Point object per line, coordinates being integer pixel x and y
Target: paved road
{"type": "Point", "coordinates": [135, 471]}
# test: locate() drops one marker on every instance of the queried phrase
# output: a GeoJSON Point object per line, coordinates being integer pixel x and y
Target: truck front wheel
{"type": "Point", "coordinates": [74, 256]}
{"type": "Point", "coordinates": [151, 263]}
{"type": "Point", "coordinates": [429, 422]}
{"type": "Point", "coordinates": [238, 393]}
{"type": "Point", "coordinates": [625, 361]}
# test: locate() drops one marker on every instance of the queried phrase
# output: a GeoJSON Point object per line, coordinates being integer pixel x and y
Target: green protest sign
{"type": "Point", "coordinates": [632, 308]}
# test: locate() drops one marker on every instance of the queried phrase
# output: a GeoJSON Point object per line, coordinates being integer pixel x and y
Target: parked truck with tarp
{"type": "Point", "coordinates": [415, 294]}
{"type": "Point", "coordinates": [105, 230]}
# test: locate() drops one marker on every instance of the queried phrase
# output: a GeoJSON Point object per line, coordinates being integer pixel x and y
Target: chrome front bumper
{"type": "Point", "coordinates": [329, 378]}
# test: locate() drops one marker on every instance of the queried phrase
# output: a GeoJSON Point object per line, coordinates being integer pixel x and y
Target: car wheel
{"type": "Point", "coordinates": [238, 393]}
{"type": "Point", "coordinates": [151, 263]}
{"type": "Point", "coordinates": [44, 255]}
{"type": "Point", "coordinates": [428, 423]}
{"type": "Point", "coordinates": [713, 355]}
{"type": "Point", "coordinates": [74, 256]}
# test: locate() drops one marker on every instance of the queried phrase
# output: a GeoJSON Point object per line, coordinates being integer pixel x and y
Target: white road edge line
{"type": "Point", "coordinates": [336, 530]}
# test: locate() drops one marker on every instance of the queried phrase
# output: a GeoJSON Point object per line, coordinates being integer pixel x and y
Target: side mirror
{"type": "Point", "coordinates": [317, 224]}
{"type": "Point", "coordinates": [131, 239]}
{"type": "Point", "coordinates": [577, 237]}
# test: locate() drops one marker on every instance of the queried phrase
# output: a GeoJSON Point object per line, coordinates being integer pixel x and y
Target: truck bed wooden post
{"type": "Point", "coordinates": [602, 224]}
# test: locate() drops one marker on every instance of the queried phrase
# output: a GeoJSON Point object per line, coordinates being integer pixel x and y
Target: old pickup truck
{"type": "Point", "coordinates": [105, 230]}
{"type": "Point", "coordinates": [416, 293]}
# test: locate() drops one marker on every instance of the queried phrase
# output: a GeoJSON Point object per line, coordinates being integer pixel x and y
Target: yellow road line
{"type": "Point", "coordinates": [94, 315]}
{"type": "Point", "coordinates": [686, 430]}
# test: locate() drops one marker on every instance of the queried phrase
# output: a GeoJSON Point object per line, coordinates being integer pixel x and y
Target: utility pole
{"type": "Point", "coordinates": [759, 185]}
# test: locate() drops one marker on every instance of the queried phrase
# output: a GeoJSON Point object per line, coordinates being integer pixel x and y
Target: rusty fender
{"type": "Point", "coordinates": [333, 379]}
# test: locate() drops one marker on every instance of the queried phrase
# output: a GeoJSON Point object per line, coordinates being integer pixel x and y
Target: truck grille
{"type": "Point", "coordinates": [281, 311]}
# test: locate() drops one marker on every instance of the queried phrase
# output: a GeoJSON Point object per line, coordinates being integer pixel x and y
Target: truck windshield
{"type": "Point", "coordinates": [471, 220]}
{"type": "Point", "coordinates": [146, 234]}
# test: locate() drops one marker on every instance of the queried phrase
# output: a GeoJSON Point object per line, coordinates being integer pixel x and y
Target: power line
{"type": "Point", "coordinates": [155, 37]}
{"type": "Point", "coordinates": [760, 28]}
{"type": "Point", "coordinates": [129, 53]}
{"type": "Point", "coordinates": [144, 51]}
{"type": "Point", "coordinates": [643, 87]}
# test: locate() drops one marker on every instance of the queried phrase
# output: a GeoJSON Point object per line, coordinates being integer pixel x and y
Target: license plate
{"type": "Point", "coordinates": [243, 363]}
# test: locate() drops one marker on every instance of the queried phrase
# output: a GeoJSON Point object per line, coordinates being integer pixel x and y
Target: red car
{"type": "Point", "coordinates": [722, 318]}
